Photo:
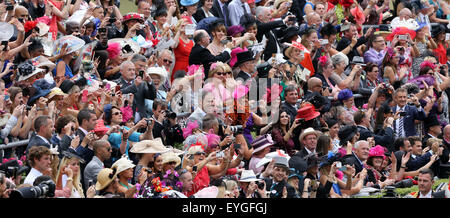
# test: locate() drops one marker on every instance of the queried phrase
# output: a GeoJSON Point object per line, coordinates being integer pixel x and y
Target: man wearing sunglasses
{"type": "Point", "coordinates": [102, 152]}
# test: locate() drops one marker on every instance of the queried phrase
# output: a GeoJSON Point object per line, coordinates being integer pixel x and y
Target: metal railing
{"type": "Point", "coordinates": [14, 144]}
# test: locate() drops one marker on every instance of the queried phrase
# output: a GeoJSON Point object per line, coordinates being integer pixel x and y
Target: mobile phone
{"type": "Point", "coordinates": [338, 164]}
{"type": "Point", "coordinates": [117, 88]}
{"type": "Point", "coordinates": [112, 20]}
{"type": "Point", "coordinates": [403, 37]}
{"type": "Point", "coordinates": [324, 42]}
{"type": "Point", "coordinates": [142, 26]}
{"type": "Point", "coordinates": [9, 6]}
{"type": "Point", "coordinates": [403, 113]}
{"type": "Point", "coordinates": [5, 44]}
{"type": "Point", "coordinates": [194, 168]}
{"type": "Point", "coordinates": [220, 154]}
{"type": "Point", "coordinates": [108, 86]}
{"type": "Point", "coordinates": [84, 97]}
{"type": "Point", "coordinates": [447, 36]}
{"type": "Point", "coordinates": [90, 183]}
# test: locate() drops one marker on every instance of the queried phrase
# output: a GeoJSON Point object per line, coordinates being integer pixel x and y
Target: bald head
{"type": "Point", "coordinates": [201, 37]}
{"type": "Point", "coordinates": [405, 14]}
{"type": "Point", "coordinates": [314, 84]}
{"type": "Point", "coordinates": [447, 132]}
{"type": "Point", "coordinates": [21, 12]}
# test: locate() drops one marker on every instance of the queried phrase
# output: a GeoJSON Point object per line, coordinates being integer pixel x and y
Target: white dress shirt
{"type": "Point", "coordinates": [34, 173]}
{"type": "Point", "coordinates": [428, 195]}
{"type": "Point", "coordinates": [397, 122]}
{"type": "Point", "coordinates": [236, 11]}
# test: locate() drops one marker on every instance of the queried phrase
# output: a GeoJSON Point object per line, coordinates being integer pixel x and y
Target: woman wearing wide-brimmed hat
{"type": "Point", "coordinates": [149, 156]}
{"type": "Point", "coordinates": [124, 173]}
{"type": "Point", "coordinates": [107, 184]}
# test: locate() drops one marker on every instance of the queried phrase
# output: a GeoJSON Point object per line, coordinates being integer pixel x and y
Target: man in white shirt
{"type": "Point", "coordinates": [425, 183]}
{"type": "Point", "coordinates": [39, 157]}
{"type": "Point", "coordinates": [236, 10]}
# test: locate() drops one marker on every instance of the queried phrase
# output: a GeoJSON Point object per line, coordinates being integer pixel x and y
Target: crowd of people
{"type": "Point", "coordinates": [224, 99]}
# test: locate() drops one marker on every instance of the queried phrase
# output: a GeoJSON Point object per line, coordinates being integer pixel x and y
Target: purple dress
{"type": "Point", "coordinates": [247, 130]}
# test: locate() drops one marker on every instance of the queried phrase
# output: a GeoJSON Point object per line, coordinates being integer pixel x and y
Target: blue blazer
{"type": "Point", "coordinates": [412, 113]}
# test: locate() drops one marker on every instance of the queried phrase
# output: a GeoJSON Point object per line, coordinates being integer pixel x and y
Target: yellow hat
{"type": "Point", "coordinates": [104, 178]}
{"type": "Point", "coordinates": [169, 157]}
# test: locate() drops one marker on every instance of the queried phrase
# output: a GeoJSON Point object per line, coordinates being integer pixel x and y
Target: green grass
{"type": "Point", "coordinates": [127, 6]}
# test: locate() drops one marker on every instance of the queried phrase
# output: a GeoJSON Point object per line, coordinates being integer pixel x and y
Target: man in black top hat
{"type": "Point", "coordinates": [246, 63]}
{"type": "Point", "coordinates": [433, 129]}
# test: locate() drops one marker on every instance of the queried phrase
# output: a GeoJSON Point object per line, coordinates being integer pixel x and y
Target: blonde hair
{"type": "Point", "coordinates": [219, 66]}
{"type": "Point", "coordinates": [76, 180]}
{"type": "Point", "coordinates": [431, 141]}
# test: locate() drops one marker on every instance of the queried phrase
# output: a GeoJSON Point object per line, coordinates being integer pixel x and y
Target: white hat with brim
{"type": "Point", "coordinates": [104, 178]}
{"type": "Point", "coordinates": [308, 131]}
{"type": "Point", "coordinates": [268, 158]}
{"type": "Point", "coordinates": [154, 146]}
{"type": "Point", "coordinates": [248, 176]}
{"type": "Point", "coordinates": [43, 28]}
{"type": "Point", "coordinates": [123, 164]}
{"type": "Point", "coordinates": [7, 31]}
{"type": "Point", "coordinates": [170, 157]}
{"type": "Point", "coordinates": [125, 45]}
{"type": "Point", "coordinates": [36, 71]}
{"type": "Point", "coordinates": [160, 71]}
{"type": "Point", "coordinates": [41, 61]}
{"type": "Point", "coordinates": [73, 44]}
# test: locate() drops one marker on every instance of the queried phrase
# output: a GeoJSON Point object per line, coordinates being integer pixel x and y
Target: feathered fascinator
{"type": "Point", "coordinates": [426, 78]}
{"type": "Point", "coordinates": [323, 60]}
{"type": "Point", "coordinates": [345, 94]}
{"type": "Point", "coordinates": [113, 50]}
{"type": "Point", "coordinates": [30, 25]}
{"type": "Point", "coordinates": [213, 139]}
{"type": "Point", "coordinates": [427, 64]}
{"type": "Point", "coordinates": [190, 128]}
{"type": "Point", "coordinates": [193, 68]}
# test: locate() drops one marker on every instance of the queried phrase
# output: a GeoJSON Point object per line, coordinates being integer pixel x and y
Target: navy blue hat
{"type": "Point", "coordinates": [188, 2]}
{"type": "Point", "coordinates": [345, 94]}
{"type": "Point", "coordinates": [43, 88]}
{"type": "Point", "coordinates": [107, 110]}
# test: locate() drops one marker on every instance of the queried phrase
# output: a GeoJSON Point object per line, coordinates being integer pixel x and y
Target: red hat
{"type": "Point", "coordinates": [307, 112]}
{"type": "Point", "coordinates": [100, 127]}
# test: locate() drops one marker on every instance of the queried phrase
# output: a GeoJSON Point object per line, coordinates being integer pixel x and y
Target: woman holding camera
{"type": "Point", "coordinates": [391, 71]}
{"type": "Point", "coordinates": [425, 44]}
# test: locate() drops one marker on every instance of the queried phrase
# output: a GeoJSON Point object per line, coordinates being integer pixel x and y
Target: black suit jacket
{"type": "Point", "coordinates": [384, 138]}
{"type": "Point", "coordinates": [202, 56]}
{"type": "Point", "coordinates": [144, 91]}
{"type": "Point", "coordinates": [279, 189]}
{"type": "Point", "coordinates": [302, 153]}
{"type": "Point", "coordinates": [352, 160]}
{"type": "Point", "coordinates": [440, 194]}
{"type": "Point", "coordinates": [36, 141]}
{"type": "Point", "coordinates": [265, 29]}
{"type": "Point", "coordinates": [243, 76]}
{"type": "Point", "coordinates": [217, 11]}
{"type": "Point", "coordinates": [199, 14]}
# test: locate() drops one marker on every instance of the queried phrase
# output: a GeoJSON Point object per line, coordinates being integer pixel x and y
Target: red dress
{"type": "Point", "coordinates": [201, 181]}
{"type": "Point", "coordinates": [440, 53]}
{"type": "Point", "coordinates": [55, 19]}
{"type": "Point", "coordinates": [182, 56]}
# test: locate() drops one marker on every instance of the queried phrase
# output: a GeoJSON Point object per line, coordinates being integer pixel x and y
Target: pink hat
{"type": "Point", "coordinates": [240, 91]}
{"type": "Point", "coordinates": [377, 151]}
{"type": "Point", "coordinates": [234, 55]}
{"type": "Point", "coordinates": [209, 192]}
{"type": "Point", "coordinates": [358, 14]}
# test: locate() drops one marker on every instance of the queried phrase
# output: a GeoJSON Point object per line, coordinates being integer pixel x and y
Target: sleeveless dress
{"type": "Point", "coordinates": [55, 19]}
{"type": "Point", "coordinates": [201, 181]}
{"type": "Point", "coordinates": [182, 56]}
{"type": "Point", "coordinates": [68, 73]}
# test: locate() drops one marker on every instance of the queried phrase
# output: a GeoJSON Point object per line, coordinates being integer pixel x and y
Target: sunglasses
{"type": "Point", "coordinates": [117, 113]}
{"type": "Point", "coordinates": [167, 61]}
{"type": "Point", "coordinates": [172, 163]}
{"type": "Point", "coordinates": [223, 73]}
{"type": "Point", "coordinates": [109, 149]}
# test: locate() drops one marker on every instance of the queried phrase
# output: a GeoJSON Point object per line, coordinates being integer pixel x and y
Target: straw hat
{"type": "Point", "coordinates": [104, 178]}
{"type": "Point", "coordinates": [248, 176]}
{"type": "Point", "coordinates": [149, 147]}
{"type": "Point", "coordinates": [43, 28]}
{"type": "Point", "coordinates": [55, 92]}
{"type": "Point", "coordinates": [169, 157]}
{"type": "Point", "coordinates": [308, 131]}
{"type": "Point", "coordinates": [295, 44]}
{"type": "Point", "coordinates": [123, 164]}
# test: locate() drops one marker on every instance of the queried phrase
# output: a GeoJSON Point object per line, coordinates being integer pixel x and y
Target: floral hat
{"type": "Point", "coordinates": [133, 16]}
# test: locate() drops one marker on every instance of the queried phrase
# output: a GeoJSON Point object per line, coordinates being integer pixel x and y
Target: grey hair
{"type": "Point", "coordinates": [311, 15]}
{"type": "Point", "coordinates": [260, 9]}
{"type": "Point", "coordinates": [138, 57]}
{"type": "Point", "coordinates": [339, 58]}
{"type": "Point", "coordinates": [356, 145]}
{"type": "Point", "coordinates": [125, 63]}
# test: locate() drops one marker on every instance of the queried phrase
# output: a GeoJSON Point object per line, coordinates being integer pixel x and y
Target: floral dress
{"type": "Point", "coordinates": [423, 52]}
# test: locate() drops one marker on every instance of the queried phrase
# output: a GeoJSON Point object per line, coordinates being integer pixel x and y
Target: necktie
{"type": "Point", "coordinates": [400, 127]}
{"type": "Point", "coordinates": [225, 14]}
{"type": "Point", "coordinates": [243, 7]}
